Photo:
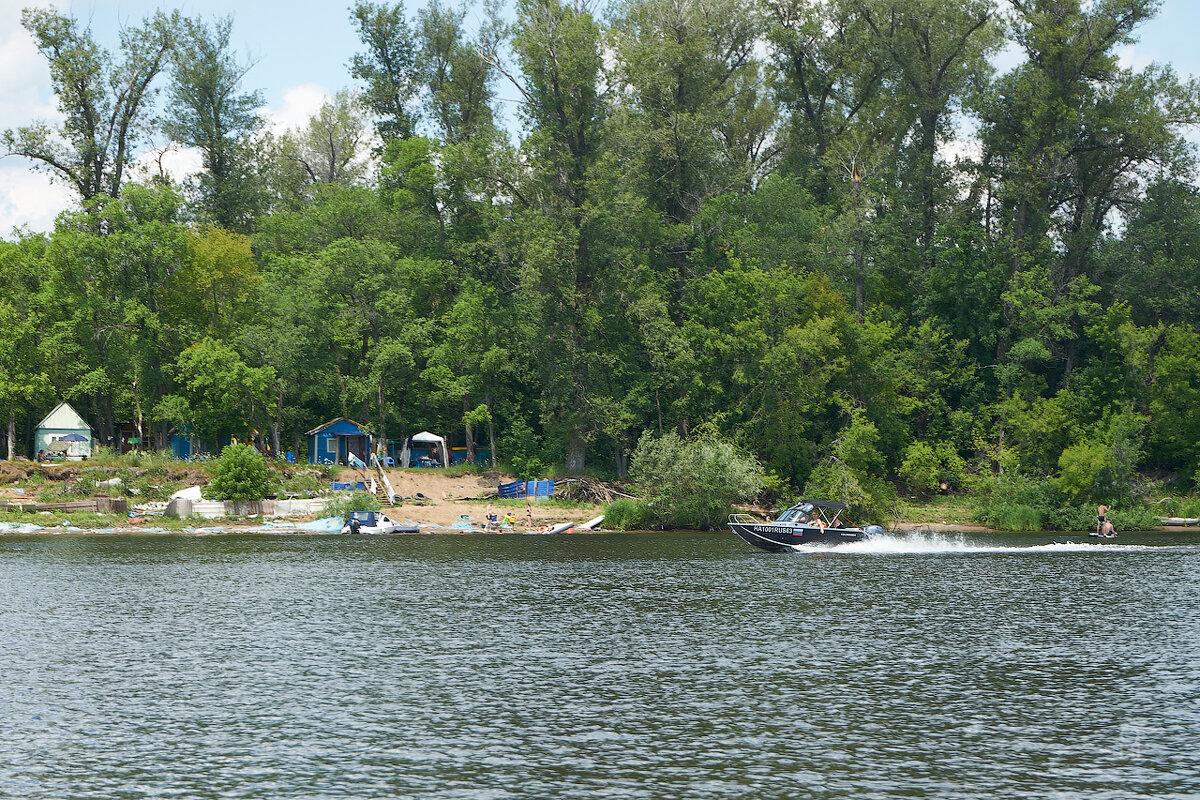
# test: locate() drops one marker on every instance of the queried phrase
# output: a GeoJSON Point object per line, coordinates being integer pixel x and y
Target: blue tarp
{"type": "Point", "coordinates": [533, 490]}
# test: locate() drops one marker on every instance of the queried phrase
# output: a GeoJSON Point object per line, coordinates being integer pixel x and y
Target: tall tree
{"type": "Point", "coordinates": [1069, 136]}
{"type": "Point", "coordinates": [105, 105]}
{"type": "Point", "coordinates": [830, 80]}
{"type": "Point", "coordinates": [693, 97]}
{"type": "Point", "coordinates": [558, 48]}
{"type": "Point", "coordinates": [935, 52]}
{"type": "Point", "coordinates": [23, 373]}
{"type": "Point", "coordinates": [208, 111]}
{"type": "Point", "coordinates": [388, 68]}
{"type": "Point", "coordinates": [332, 149]}
{"type": "Point", "coordinates": [456, 71]}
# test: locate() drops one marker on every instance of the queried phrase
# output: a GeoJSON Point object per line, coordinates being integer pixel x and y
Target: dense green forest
{"type": "Point", "coordinates": [830, 231]}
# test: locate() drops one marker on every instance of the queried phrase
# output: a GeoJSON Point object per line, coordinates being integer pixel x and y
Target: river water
{"type": "Point", "coordinates": [598, 666]}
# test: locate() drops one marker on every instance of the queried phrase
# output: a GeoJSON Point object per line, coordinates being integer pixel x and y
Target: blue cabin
{"type": "Point", "coordinates": [333, 442]}
{"type": "Point", "coordinates": [184, 445]}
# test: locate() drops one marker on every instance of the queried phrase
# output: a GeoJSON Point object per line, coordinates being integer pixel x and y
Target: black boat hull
{"type": "Point", "coordinates": [775, 538]}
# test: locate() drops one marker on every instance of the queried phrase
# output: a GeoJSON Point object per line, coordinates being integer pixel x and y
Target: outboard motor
{"type": "Point", "coordinates": [872, 531]}
{"type": "Point", "coordinates": [355, 524]}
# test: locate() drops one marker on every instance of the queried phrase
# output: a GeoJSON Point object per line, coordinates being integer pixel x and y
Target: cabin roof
{"type": "Point", "coordinates": [64, 418]}
{"type": "Point", "coordinates": [333, 422]}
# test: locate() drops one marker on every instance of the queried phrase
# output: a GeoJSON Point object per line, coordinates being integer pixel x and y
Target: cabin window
{"type": "Point", "coordinates": [331, 445]}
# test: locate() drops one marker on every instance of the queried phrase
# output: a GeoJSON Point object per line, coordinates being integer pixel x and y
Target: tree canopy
{"type": "Point", "coordinates": [830, 231]}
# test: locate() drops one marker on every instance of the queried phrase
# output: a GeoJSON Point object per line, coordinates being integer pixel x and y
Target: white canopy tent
{"type": "Point", "coordinates": [425, 437]}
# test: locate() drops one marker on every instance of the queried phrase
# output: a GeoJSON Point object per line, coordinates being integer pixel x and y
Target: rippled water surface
{"type": "Point", "coordinates": [598, 666]}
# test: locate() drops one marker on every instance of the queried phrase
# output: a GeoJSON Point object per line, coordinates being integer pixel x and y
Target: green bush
{"type": "Point", "coordinates": [1017, 518]}
{"type": "Point", "coordinates": [926, 467]}
{"type": "Point", "coordinates": [239, 474]}
{"type": "Point", "coordinates": [1086, 472]}
{"type": "Point", "coordinates": [342, 505]}
{"type": "Point", "coordinates": [1071, 517]}
{"type": "Point", "coordinates": [1190, 507]}
{"type": "Point", "coordinates": [694, 482]}
{"type": "Point", "coordinates": [629, 515]}
{"type": "Point", "coordinates": [1010, 502]}
{"type": "Point", "coordinates": [999, 500]}
{"type": "Point", "coordinates": [1134, 518]}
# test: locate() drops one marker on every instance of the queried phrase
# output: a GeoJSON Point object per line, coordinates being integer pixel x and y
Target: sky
{"type": "Point", "coordinates": [301, 50]}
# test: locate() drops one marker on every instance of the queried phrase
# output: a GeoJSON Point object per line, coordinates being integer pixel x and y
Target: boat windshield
{"type": "Point", "coordinates": [797, 513]}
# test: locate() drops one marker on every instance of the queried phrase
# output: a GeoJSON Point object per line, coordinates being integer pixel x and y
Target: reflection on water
{"type": "Point", "coordinates": [598, 666]}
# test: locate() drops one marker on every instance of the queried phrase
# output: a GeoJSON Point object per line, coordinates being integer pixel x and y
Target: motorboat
{"type": "Point", "coordinates": [372, 522]}
{"type": "Point", "coordinates": [807, 522]}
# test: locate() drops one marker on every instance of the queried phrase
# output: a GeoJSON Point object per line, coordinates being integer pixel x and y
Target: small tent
{"type": "Point", "coordinates": [428, 442]}
{"type": "Point", "coordinates": [65, 427]}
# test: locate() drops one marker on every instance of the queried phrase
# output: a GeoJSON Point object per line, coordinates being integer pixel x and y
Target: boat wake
{"type": "Point", "coordinates": [917, 542]}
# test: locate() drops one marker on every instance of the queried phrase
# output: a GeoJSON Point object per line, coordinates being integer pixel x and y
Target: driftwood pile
{"type": "Point", "coordinates": [588, 490]}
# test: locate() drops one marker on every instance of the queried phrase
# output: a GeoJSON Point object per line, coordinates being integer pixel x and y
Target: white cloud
{"type": "Point", "coordinates": [25, 93]}
{"type": "Point", "coordinates": [299, 104]}
{"type": "Point", "coordinates": [178, 162]}
{"type": "Point", "coordinates": [1134, 57]}
{"type": "Point", "coordinates": [28, 198]}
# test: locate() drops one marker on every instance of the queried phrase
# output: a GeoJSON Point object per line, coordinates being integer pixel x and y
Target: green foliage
{"type": "Point", "coordinates": [1017, 502]}
{"type": "Point", "coordinates": [239, 474]}
{"type": "Point", "coordinates": [521, 449]}
{"type": "Point", "coordinates": [693, 482]}
{"type": "Point", "coordinates": [732, 213]}
{"type": "Point", "coordinates": [1099, 471]}
{"type": "Point", "coordinates": [343, 504]}
{"type": "Point", "coordinates": [1012, 501]}
{"type": "Point", "coordinates": [630, 515]}
{"type": "Point", "coordinates": [1086, 471]}
{"type": "Point", "coordinates": [846, 474]}
{"type": "Point", "coordinates": [926, 467]}
{"type": "Point", "coordinates": [1191, 508]}
{"type": "Point", "coordinates": [1134, 518]}
{"type": "Point", "coordinates": [1017, 517]}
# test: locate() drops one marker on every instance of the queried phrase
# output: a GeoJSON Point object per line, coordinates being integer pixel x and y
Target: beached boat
{"type": "Point", "coordinates": [373, 522]}
{"type": "Point", "coordinates": [807, 522]}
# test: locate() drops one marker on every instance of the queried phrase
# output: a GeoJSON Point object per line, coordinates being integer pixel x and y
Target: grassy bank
{"type": "Point", "coordinates": [139, 477]}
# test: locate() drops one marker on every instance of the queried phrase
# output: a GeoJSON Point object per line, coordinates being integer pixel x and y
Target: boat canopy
{"type": "Point", "coordinates": [828, 511]}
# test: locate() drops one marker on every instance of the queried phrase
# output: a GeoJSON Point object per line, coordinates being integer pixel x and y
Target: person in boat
{"type": "Point", "coordinates": [1101, 518]}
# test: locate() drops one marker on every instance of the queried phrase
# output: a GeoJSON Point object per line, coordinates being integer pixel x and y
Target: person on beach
{"type": "Point", "coordinates": [489, 520]}
{"type": "Point", "coordinates": [529, 515]}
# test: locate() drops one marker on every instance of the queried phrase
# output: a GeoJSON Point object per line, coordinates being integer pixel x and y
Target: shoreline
{"type": "Point", "coordinates": [242, 526]}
